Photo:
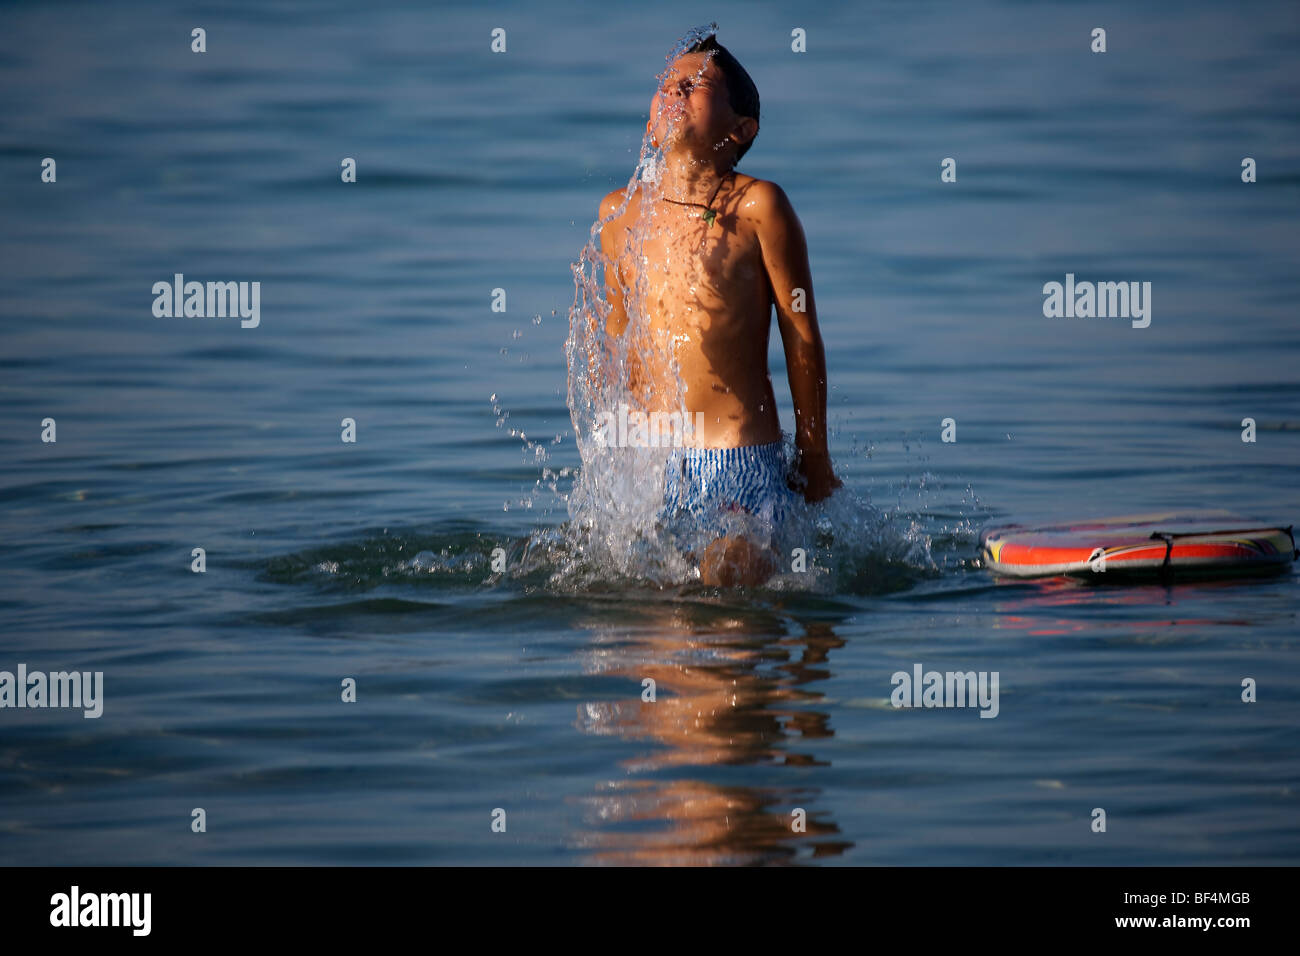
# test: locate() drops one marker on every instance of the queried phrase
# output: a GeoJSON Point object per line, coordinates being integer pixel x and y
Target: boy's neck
{"type": "Point", "coordinates": [686, 177]}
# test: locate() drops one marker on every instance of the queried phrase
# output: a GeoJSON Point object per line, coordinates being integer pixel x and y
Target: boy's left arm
{"type": "Point", "coordinates": [785, 257]}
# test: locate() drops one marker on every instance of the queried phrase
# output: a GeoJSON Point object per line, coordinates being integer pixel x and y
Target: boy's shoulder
{"type": "Point", "coordinates": [612, 200]}
{"type": "Point", "coordinates": [762, 199]}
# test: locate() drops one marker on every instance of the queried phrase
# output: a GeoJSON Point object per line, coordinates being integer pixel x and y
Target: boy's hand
{"type": "Point", "coordinates": [816, 479]}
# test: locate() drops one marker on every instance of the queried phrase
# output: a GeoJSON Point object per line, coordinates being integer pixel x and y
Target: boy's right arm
{"type": "Point", "coordinates": [613, 279]}
{"type": "Point", "coordinates": [615, 291]}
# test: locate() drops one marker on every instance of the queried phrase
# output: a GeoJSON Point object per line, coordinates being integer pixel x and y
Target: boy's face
{"type": "Point", "coordinates": [691, 110]}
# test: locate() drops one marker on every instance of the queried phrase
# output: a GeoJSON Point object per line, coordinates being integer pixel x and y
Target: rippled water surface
{"type": "Point", "coordinates": [521, 689]}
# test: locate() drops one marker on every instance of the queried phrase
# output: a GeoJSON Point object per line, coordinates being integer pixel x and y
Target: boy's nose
{"type": "Point", "coordinates": [671, 91]}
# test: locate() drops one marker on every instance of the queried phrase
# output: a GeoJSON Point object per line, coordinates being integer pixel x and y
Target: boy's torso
{"type": "Point", "coordinates": [708, 304]}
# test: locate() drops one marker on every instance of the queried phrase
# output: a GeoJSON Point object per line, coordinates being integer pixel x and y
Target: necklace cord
{"type": "Point", "coordinates": [709, 207]}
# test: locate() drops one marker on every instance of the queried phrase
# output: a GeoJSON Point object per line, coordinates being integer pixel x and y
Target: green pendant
{"type": "Point", "coordinates": [709, 215]}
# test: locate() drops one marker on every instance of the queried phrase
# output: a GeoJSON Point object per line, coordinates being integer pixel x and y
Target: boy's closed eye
{"type": "Point", "coordinates": [687, 86]}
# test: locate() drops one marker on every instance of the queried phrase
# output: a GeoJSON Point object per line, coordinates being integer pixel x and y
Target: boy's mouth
{"type": "Point", "coordinates": [669, 125]}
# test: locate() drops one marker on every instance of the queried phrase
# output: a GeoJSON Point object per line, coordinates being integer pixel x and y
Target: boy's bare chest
{"type": "Point", "coordinates": [689, 267]}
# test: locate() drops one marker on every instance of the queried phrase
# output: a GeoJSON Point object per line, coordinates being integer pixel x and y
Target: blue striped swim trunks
{"type": "Point", "coordinates": [721, 491]}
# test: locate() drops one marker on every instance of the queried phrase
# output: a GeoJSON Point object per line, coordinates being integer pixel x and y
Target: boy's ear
{"type": "Point", "coordinates": [746, 129]}
{"type": "Point", "coordinates": [650, 132]}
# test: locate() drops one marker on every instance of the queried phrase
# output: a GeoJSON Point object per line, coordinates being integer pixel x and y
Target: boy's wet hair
{"type": "Point", "coordinates": [741, 91]}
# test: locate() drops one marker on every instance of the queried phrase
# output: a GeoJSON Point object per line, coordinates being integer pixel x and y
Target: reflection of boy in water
{"type": "Point", "coordinates": [730, 691]}
{"type": "Point", "coordinates": [719, 249]}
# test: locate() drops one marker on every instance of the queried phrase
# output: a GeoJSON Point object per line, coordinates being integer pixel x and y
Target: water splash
{"type": "Point", "coordinates": [617, 493]}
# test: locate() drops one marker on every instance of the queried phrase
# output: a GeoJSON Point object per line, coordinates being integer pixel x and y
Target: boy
{"type": "Point", "coordinates": [724, 249]}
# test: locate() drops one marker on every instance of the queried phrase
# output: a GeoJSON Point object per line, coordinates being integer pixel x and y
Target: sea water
{"type": "Point", "coordinates": [524, 688]}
